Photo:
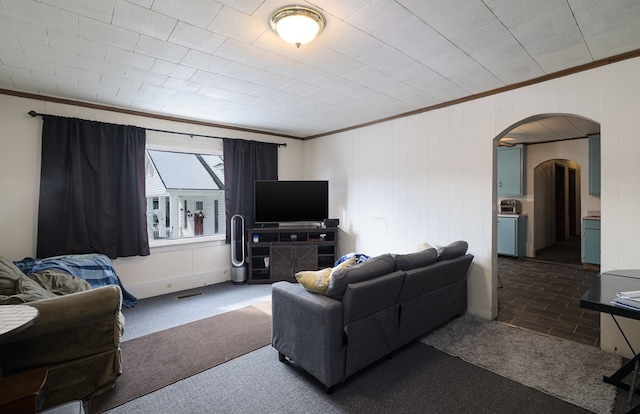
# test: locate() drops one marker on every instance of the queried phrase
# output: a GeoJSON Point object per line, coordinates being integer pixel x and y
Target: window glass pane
{"type": "Point", "coordinates": [183, 192]}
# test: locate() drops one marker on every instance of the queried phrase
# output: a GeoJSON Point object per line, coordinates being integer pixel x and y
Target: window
{"type": "Point", "coordinates": [183, 192]}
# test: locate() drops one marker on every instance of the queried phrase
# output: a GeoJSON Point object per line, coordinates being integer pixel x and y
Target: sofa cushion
{"type": "Point", "coordinates": [372, 268]}
{"type": "Point", "coordinates": [455, 249]}
{"type": "Point", "coordinates": [317, 281]}
{"type": "Point", "coordinates": [418, 259]}
{"type": "Point", "coordinates": [9, 275]}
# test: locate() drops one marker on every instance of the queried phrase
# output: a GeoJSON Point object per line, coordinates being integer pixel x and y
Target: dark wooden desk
{"type": "Point", "coordinates": [599, 298]}
{"type": "Point", "coordinates": [18, 393]}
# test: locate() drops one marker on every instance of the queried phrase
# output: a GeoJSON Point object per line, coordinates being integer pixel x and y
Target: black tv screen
{"type": "Point", "coordinates": [290, 201]}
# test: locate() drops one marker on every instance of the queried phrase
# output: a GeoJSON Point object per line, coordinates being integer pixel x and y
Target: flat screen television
{"type": "Point", "coordinates": [290, 201]}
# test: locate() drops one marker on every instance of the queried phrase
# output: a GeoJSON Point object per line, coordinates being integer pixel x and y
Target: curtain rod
{"type": "Point", "coordinates": [284, 144]}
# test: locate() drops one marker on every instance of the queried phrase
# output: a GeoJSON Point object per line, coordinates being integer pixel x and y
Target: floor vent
{"type": "Point", "coordinates": [190, 295]}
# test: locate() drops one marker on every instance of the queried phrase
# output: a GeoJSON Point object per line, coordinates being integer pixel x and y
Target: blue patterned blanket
{"type": "Point", "coordinates": [96, 269]}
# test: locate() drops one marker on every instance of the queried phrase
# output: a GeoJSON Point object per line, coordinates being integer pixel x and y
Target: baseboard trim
{"type": "Point", "coordinates": [179, 283]}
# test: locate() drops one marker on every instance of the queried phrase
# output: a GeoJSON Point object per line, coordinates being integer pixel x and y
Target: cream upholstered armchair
{"type": "Point", "coordinates": [76, 336]}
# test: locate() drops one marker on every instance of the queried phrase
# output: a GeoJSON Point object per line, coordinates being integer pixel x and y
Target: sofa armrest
{"type": "Point", "coordinates": [68, 327]}
{"type": "Point", "coordinates": [307, 328]}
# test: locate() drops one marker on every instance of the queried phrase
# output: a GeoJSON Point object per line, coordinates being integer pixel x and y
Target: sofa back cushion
{"type": "Point", "coordinates": [417, 259]}
{"type": "Point", "coordinates": [372, 268]}
{"type": "Point", "coordinates": [455, 249]}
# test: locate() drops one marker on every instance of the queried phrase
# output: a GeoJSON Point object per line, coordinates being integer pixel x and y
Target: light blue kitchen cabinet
{"type": "Point", "coordinates": [594, 164]}
{"type": "Point", "coordinates": [511, 170]}
{"type": "Point", "coordinates": [591, 241]}
{"type": "Point", "coordinates": [512, 235]}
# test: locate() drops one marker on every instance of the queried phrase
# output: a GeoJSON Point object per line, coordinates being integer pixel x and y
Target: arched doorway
{"type": "Point", "coordinates": [555, 198]}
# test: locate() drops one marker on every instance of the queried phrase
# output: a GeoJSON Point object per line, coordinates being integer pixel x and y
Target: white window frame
{"type": "Point", "coordinates": [196, 149]}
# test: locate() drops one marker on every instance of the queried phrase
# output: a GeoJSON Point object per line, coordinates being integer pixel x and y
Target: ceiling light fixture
{"type": "Point", "coordinates": [296, 24]}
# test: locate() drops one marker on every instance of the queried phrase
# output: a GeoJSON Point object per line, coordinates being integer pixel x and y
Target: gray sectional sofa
{"type": "Point", "coordinates": [368, 310]}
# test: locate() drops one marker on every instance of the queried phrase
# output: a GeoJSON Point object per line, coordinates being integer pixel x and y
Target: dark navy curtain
{"type": "Point", "coordinates": [245, 162]}
{"type": "Point", "coordinates": [92, 189]}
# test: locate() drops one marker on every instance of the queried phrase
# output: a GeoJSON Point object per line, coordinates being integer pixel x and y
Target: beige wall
{"type": "Point", "coordinates": [431, 177]}
{"type": "Point", "coordinates": [167, 269]}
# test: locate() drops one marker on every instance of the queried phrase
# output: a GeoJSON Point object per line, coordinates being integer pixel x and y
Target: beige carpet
{"type": "Point", "coordinates": [154, 361]}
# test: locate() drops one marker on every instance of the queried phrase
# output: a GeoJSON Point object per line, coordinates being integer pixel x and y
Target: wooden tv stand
{"type": "Point", "coordinates": [278, 253]}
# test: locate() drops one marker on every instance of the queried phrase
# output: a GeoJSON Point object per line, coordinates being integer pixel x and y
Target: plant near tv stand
{"type": "Point", "coordinates": [278, 253]}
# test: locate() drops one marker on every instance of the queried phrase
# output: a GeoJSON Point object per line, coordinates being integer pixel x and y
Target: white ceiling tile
{"type": "Point", "coordinates": [379, 16]}
{"type": "Point", "coordinates": [229, 20]}
{"type": "Point", "coordinates": [274, 64]}
{"type": "Point", "coordinates": [82, 76]}
{"type": "Point", "coordinates": [159, 49]}
{"type": "Point", "coordinates": [101, 66]}
{"type": "Point", "coordinates": [24, 31]}
{"type": "Point", "coordinates": [238, 71]}
{"type": "Point", "coordinates": [100, 10]}
{"type": "Point", "coordinates": [204, 61]}
{"type": "Point", "coordinates": [161, 91]}
{"type": "Point", "coordinates": [173, 70]}
{"type": "Point", "coordinates": [55, 56]}
{"type": "Point", "coordinates": [245, 6]}
{"type": "Point", "coordinates": [609, 27]}
{"type": "Point", "coordinates": [182, 85]}
{"type": "Point", "coordinates": [269, 94]}
{"type": "Point", "coordinates": [120, 83]}
{"type": "Point", "coordinates": [563, 58]}
{"type": "Point", "coordinates": [228, 95]}
{"type": "Point", "coordinates": [43, 15]}
{"type": "Point", "coordinates": [45, 78]}
{"type": "Point", "coordinates": [23, 62]}
{"type": "Point", "coordinates": [145, 21]}
{"type": "Point", "coordinates": [77, 45]}
{"type": "Point", "coordinates": [127, 58]}
{"type": "Point", "coordinates": [143, 3]}
{"type": "Point", "coordinates": [196, 12]}
{"type": "Point", "coordinates": [10, 45]}
{"type": "Point", "coordinates": [298, 88]}
{"type": "Point", "coordinates": [111, 35]}
{"type": "Point", "coordinates": [271, 80]}
{"type": "Point", "coordinates": [222, 63]}
{"type": "Point", "coordinates": [16, 73]}
{"type": "Point", "coordinates": [305, 73]}
{"type": "Point", "coordinates": [95, 89]}
{"type": "Point", "coordinates": [145, 77]}
{"type": "Point", "coordinates": [239, 52]}
{"type": "Point", "coordinates": [135, 96]}
{"type": "Point", "coordinates": [196, 38]}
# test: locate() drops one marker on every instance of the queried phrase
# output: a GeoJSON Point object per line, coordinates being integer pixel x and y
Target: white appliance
{"type": "Point", "coordinates": [238, 253]}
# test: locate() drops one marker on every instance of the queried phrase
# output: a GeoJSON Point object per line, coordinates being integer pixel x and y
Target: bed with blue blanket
{"type": "Point", "coordinates": [96, 269]}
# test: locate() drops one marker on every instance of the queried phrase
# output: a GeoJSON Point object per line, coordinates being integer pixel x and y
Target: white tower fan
{"type": "Point", "coordinates": [238, 254]}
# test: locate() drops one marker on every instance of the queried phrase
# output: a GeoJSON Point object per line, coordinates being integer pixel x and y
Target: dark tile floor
{"type": "Point", "coordinates": [543, 295]}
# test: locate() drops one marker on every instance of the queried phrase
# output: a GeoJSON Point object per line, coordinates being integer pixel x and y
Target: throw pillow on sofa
{"type": "Point", "coordinates": [372, 268]}
{"type": "Point", "coordinates": [317, 281]}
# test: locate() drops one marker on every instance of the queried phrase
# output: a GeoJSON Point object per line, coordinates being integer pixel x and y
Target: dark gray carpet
{"type": "Point", "coordinates": [418, 379]}
{"type": "Point", "coordinates": [154, 361]}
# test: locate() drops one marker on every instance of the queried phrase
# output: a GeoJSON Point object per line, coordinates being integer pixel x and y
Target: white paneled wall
{"type": "Point", "coordinates": [430, 177]}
